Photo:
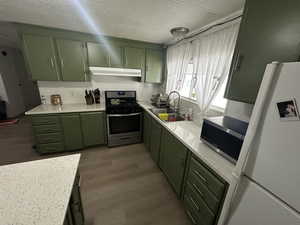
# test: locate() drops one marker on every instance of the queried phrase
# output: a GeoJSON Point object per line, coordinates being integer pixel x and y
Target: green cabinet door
{"type": "Point", "coordinates": [116, 57]}
{"type": "Point", "coordinates": [97, 55]}
{"type": "Point", "coordinates": [154, 66]}
{"type": "Point", "coordinates": [147, 130]}
{"type": "Point", "coordinates": [268, 32]}
{"type": "Point", "coordinates": [93, 128]}
{"type": "Point", "coordinates": [72, 131]}
{"type": "Point", "coordinates": [156, 131]}
{"type": "Point", "coordinates": [104, 56]}
{"type": "Point", "coordinates": [72, 60]}
{"type": "Point", "coordinates": [40, 56]}
{"type": "Point", "coordinates": [172, 161]}
{"type": "Point", "coordinates": [135, 58]}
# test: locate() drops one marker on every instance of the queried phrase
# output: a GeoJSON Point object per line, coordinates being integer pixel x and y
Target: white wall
{"type": "Point", "coordinates": [239, 110]}
{"type": "Point", "coordinates": [73, 92]}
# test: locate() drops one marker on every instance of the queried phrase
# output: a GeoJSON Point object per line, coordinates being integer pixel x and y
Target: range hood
{"type": "Point", "coordinates": [108, 71]}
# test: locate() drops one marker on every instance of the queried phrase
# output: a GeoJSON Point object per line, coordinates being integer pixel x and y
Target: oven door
{"type": "Point", "coordinates": [124, 128]}
{"type": "Point", "coordinates": [124, 123]}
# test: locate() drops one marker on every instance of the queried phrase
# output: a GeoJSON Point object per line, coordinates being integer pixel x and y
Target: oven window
{"type": "Point", "coordinates": [124, 124]}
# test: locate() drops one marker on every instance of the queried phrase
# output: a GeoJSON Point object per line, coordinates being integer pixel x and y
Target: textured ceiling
{"type": "Point", "coordinates": [146, 20]}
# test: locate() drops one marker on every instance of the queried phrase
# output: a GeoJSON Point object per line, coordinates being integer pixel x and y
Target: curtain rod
{"type": "Point", "coordinates": [207, 29]}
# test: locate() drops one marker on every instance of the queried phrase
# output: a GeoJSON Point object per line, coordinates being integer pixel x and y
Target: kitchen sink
{"type": "Point", "coordinates": [173, 116]}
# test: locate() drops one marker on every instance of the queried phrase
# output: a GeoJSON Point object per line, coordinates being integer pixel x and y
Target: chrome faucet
{"type": "Point", "coordinates": [176, 108]}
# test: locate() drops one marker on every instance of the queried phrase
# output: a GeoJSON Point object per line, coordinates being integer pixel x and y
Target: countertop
{"type": "Point", "coordinates": [189, 134]}
{"type": "Point", "coordinates": [37, 192]}
{"type": "Point", "coordinates": [65, 108]}
{"type": "Point", "coordinates": [186, 131]}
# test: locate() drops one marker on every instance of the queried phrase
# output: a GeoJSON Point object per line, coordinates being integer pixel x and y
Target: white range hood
{"type": "Point", "coordinates": [108, 71]}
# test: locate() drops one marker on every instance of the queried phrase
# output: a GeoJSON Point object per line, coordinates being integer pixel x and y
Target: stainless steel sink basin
{"type": "Point", "coordinates": [173, 116]}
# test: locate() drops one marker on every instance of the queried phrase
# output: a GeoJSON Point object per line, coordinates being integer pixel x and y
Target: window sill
{"type": "Point", "coordinates": [189, 99]}
{"type": "Point", "coordinates": [216, 108]}
{"type": "Point", "coordinates": [213, 107]}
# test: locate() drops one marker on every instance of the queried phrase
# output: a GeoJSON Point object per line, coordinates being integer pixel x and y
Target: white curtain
{"type": "Point", "coordinates": [178, 57]}
{"type": "Point", "coordinates": [212, 59]}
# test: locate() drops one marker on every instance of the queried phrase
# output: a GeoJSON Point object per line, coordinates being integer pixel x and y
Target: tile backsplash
{"type": "Point", "coordinates": [73, 92]}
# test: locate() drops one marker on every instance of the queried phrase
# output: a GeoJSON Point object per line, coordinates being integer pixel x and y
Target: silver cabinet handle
{"type": "Point", "coordinates": [192, 218]}
{"type": "Point", "coordinates": [198, 190]}
{"type": "Point", "coordinates": [52, 63]}
{"type": "Point", "coordinates": [194, 203]}
{"type": "Point", "coordinates": [123, 115]}
{"type": "Point", "coordinates": [200, 176]}
{"type": "Point", "coordinates": [238, 61]}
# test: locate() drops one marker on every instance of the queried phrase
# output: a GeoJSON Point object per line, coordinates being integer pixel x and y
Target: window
{"type": "Point", "coordinates": [188, 88]}
{"type": "Point", "coordinates": [219, 101]}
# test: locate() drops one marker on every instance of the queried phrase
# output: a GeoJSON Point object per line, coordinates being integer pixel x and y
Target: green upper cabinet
{"type": "Point", "coordinates": [72, 60]}
{"type": "Point", "coordinates": [97, 55]}
{"type": "Point", "coordinates": [54, 54]}
{"type": "Point", "coordinates": [93, 128]}
{"type": "Point", "coordinates": [115, 54]}
{"type": "Point", "coordinates": [135, 58]}
{"type": "Point", "coordinates": [104, 56]}
{"type": "Point", "coordinates": [154, 66]}
{"type": "Point", "coordinates": [156, 131]}
{"type": "Point", "coordinates": [71, 125]}
{"type": "Point", "coordinates": [172, 160]}
{"type": "Point", "coordinates": [268, 32]}
{"type": "Point", "coordinates": [41, 57]}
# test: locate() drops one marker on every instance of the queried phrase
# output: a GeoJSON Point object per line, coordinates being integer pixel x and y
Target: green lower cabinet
{"type": "Point", "coordinates": [147, 130]}
{"type": "Point", "coordinates": [68, 131]}
{"type": "Point", "coordinates": [47, 132]}
{"type": "Point", "coordinates": [75, 212]}
{"type": "Point", "coordinates": [71, 125]}
{"type": "Point", "coordinates": [156, 131]}
{"type": "Point", "coordinates": [172, 161]}
{"type": "Point", "coordinates": [204, 193]}
{"type": "Point", "coordinates": [93, 128]}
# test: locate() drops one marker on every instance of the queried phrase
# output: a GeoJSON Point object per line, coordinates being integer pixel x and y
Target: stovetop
{"type": "Point", "coordinates": [121, 102]}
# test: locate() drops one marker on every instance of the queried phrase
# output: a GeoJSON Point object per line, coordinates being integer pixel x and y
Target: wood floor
{"type": "Point", "coordinates": [120, 186]}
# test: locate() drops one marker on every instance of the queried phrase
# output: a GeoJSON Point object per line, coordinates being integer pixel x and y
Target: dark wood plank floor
{"type": "Point", "coordinates": [120, 186]}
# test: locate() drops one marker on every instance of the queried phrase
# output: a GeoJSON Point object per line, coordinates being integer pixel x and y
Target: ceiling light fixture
{"type": "Point", "coordinates": [179, 32]}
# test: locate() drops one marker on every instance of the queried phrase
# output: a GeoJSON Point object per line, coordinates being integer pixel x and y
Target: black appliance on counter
{"type": "Point", "coordinates": [124, 118]}
{"type": "Point", "coordinates": [225, 135]}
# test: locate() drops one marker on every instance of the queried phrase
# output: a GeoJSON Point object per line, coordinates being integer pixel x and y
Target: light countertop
{"type": "Point", "coordinates": [186, 131]}
{"type": "Point", "coordinates": [65, 108]}
{"type": "Point", "coordinates": [189, 134]}
{"type": "Point", "coordinates": [37, 192]}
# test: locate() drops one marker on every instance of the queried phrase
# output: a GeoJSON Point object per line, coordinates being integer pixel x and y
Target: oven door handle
{"type": "Point", "coordinates": [123, 115]}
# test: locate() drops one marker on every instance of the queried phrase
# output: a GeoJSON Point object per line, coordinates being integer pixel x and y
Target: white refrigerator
{"type": "Point", "coordinates": [269, 191]}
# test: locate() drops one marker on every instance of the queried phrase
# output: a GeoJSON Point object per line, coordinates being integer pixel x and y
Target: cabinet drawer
{"type": "Point", "coordinates": [48, 148]}
{"type": "Point", "coordinates": [214, 184]}
{"type": "Point", "coordinates": [191, 210]}
{"type": "Point", "coordinates": [44, 120]}
{"type": "Point", "coordinates": [202, 191]}
{"type": "Point", "coordinates": [49, 138]}
{"type": "Point", "coordinates": [45, 129]}
{"type": "Point", "coordinates": [196, 204]}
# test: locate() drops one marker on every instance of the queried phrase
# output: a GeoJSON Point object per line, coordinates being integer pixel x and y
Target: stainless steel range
{"type": "Point", "coordinates": [124, 118]}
